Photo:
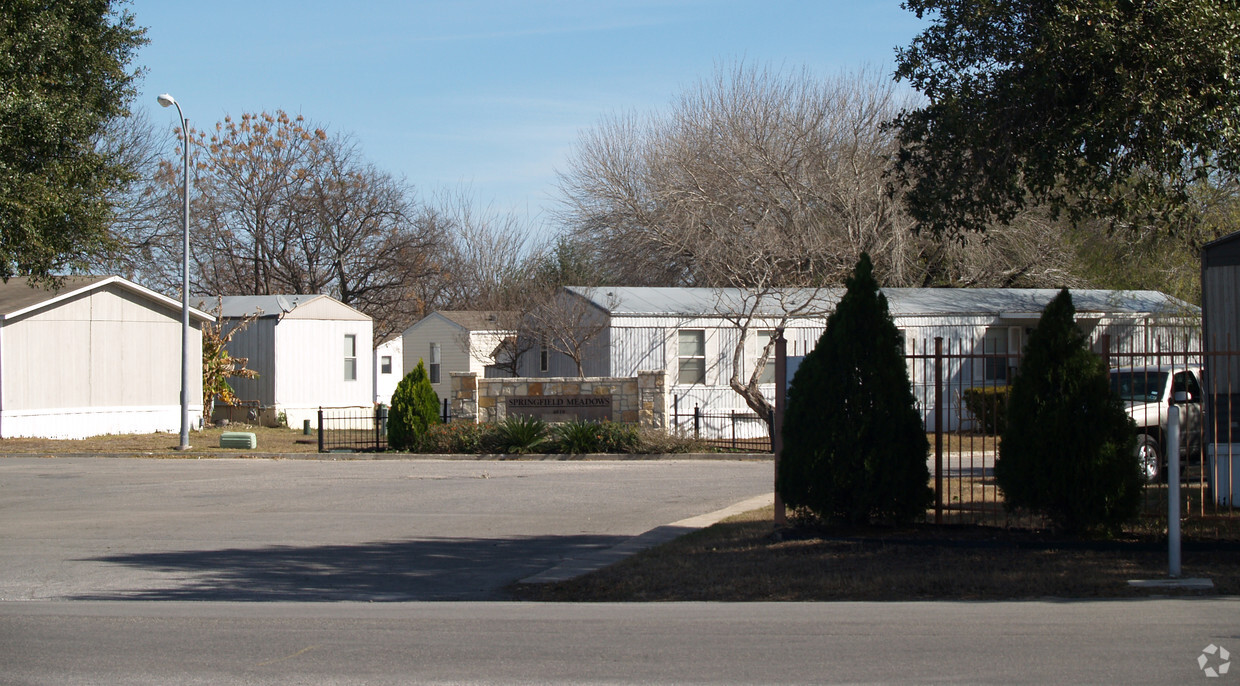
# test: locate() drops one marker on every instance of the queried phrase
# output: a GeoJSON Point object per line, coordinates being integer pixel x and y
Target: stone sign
{"type": "Point", "coordinates": [561, 408]}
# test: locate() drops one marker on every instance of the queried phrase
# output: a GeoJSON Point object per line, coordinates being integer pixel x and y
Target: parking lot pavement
{"type": "Point", "coordinates": [105, 529]}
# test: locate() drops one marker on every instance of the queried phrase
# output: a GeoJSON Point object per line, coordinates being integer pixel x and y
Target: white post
{"type": "Point", "coordinates": [166, 100]}
{"type": "Point", "coordinates": [1173, 490]}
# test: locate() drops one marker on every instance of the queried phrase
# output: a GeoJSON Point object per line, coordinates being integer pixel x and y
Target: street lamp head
{"type": "Point", "coordinates": [166, 100]}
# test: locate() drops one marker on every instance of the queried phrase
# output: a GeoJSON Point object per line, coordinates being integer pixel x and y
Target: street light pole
{"type": "Point", "coordinates": [165, 100]}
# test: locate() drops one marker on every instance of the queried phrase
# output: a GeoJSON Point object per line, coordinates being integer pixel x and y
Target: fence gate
{"type": "Point", "coordinates": [352, 429]}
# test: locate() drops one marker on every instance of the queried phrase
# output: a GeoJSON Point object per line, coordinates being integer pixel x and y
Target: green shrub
{"type": "Point", "coordinates": [854, 444]}
{"type": "Point", "coordinates": [415, 407]}
{"type": "Point", "coordinates": [521, 435]}
{"type": "Point", "coordinates": [458, 438]}
{"type": "Point", "coordinates": [1068, 447]}
{"type": "Point", "coordinates": [580, 437]}
{"type": "Point", "coordinates": [988, 404]}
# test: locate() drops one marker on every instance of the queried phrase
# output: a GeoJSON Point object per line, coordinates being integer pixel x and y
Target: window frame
{"type": "Point", "coordinates": [768, 372]}
{"type": "Point", "coordinates": [350, 357]}
{"type": "Point", "coordinates": [434, 363]}
{"type": "Point", "coordinates": [695, 359]}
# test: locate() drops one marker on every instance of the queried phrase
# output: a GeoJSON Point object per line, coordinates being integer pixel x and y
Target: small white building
{"type": "Point", "coordinates": [692, 333]}
{"type": "Point", "coordinates": [456, 341]}
{"type": "Point", "coordinates": [389, 364]}
{"type": "Point", "coordinates": [310, 351]}
{"type": "Point", "coordinates": [100, 355]}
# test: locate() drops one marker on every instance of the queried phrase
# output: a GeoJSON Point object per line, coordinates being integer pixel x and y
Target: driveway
{"type": "Point", "coordinates": [293, 530]}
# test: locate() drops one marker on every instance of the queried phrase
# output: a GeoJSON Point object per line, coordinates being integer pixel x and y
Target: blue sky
{"type": "Point", "coordinates": [484, 94]}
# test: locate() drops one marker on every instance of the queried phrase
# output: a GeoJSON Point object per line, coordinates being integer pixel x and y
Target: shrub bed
{"type": "Point", "coordinates": [524, 435]}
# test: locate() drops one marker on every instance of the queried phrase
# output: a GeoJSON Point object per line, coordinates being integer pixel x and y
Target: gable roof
{"type": "Point", "coordinates": [467, 320]}
{"type": "Point", "coordinates": [1007, 302]}
{"type": "Point", "coordinates": [18, 296]}
{"type": "Point", "coordinates": [236, 306]}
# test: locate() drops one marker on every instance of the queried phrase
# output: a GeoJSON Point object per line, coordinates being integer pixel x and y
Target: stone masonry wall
{"type": "Point", "coordinates": [638, 400]}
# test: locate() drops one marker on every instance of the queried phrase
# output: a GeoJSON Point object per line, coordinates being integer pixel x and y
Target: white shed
{"type": "Point", "coordinates": [691, 333]}
{"type": "Point", "coordinates": [101, 355]}
{"type": "Point", "coordinates": [389, 364]}
{"type": "Point", "coordinates": [310, 351]}
{"type": "Point", "coordinates": [455, 341]}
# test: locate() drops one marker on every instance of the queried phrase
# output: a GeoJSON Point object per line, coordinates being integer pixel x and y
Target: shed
{"type": "Point", "coordinates": [310, 351]}
{"type": "Point", "coordinates": [457, 341]}
{"type": "Point", "coordinates": [1220, 305]}
{"type": "Point", "coordinates": [692, 333]}
{"type": "Point", "coordinates": [98, 355]}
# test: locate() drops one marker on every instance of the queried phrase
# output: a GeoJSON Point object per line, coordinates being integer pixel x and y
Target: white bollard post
{"type": "Point", "coordinates": [1173, 490]}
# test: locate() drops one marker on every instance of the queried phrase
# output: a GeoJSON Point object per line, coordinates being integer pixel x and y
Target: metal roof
{"type": "Point", "coordinates": [18, 296]}
{"type": "Point", "coordinates": [1009, 302]}
{"type": "Point", "coordinates": [272, 305]}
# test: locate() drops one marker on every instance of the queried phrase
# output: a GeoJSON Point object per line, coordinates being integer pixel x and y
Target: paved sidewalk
{"type": "Point", "coordinates": [574, 567]}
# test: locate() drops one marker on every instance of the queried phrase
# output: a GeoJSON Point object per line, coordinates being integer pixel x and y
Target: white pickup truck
{"type": "Point", "coordinates": [1149, 392]}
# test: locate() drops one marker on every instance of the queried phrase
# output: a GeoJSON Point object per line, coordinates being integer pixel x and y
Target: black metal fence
{"type": "Point", "coordinates": [352, 429]}
{"type": "Point", "coordinates": [732, 430]}
{"type": "Point", "coordinates": [963, 395]}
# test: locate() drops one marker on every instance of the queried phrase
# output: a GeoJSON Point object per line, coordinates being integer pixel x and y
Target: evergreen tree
{"type": "Point", "coordinates": [854, 444]}
{"type": "Point", "coordinates": [415, 406]}
{"type": "Point", "coordinates": [1067, 449]}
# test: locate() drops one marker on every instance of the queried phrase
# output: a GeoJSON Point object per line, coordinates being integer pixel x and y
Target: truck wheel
{"type": "Point", "coordinates": [1149, 458]}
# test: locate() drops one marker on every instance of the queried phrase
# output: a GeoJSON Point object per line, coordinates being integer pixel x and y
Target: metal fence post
{"type": "Point", "coordinates": [321, 430]}
{"type": "Point", "coordinates": [697, 420]}
{"type": "Point", "coordinates": [938, 429]}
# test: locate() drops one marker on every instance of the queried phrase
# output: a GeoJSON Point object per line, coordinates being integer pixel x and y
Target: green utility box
{"type": "Point", "coordinates": [238, 439]}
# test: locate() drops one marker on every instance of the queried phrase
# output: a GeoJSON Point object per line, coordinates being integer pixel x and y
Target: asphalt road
{"type": "Point", "coordinates": [1052, 642]}
{"type": "Point", "coordinates": [105, 564]}
{"type": "Point", "coordinates": [304, 530]}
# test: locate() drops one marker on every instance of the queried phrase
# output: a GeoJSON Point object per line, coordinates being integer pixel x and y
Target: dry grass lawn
{"type": "Point", "coordinates": [744, 559]}
{"type": "Point", "coordinates": [202, 443]}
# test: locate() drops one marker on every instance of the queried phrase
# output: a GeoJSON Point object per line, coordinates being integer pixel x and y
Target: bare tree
{"type": "Point", "coordinates": [145, 211]}
{"type": "Point", "coordinates": [487, 256]}
{"type": "Point", "coordinates": [565, 324]}
{"type": "Point", "coordinates": [756, 180]}
{"type": "Point", "coordinates": [279, 206]}
{"type": "Point", "coordinates": [763, 181]}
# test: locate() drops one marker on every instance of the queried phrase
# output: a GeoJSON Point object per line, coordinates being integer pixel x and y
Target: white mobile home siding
{"type": "Point", "coordinates": [385, 384]}
{"type": "Point", "coordinates": [105, 361]}
{"type": "Point", "coordinates": [310, 367]}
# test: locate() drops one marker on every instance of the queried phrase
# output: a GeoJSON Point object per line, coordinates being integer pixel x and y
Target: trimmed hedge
{"type": "Point", "coordinates": [521, 436]}
{"type": "Point", "coordinates": [988, 404]}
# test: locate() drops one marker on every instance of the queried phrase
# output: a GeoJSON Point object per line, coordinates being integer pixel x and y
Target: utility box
{"type": "Point", "coordinates": [238, 439]}
{"type": "Point", "coordinates": [1224, 472]}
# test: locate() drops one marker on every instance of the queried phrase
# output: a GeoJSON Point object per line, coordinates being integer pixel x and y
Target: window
{"type": "Point", "coordinates": [544, 359]}
{"type": "Point", "coordinates": [997, 345]}
{"type": "Point", "coordinates": [768, 372]}
{"type": "Point", "coordinates": [350, 357]}
{"type": "Point", "coordinates": [691, 350]}
{"type": "Point", "coordinates": [433, 372]}
{"type": "Point", "coordinates": [385, 364]}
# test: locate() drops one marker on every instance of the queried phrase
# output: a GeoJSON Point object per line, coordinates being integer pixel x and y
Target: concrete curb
{"type": "Point", "coordinates": [571, 568]}
{"type": "Point", "coordinates": [362, 457]}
